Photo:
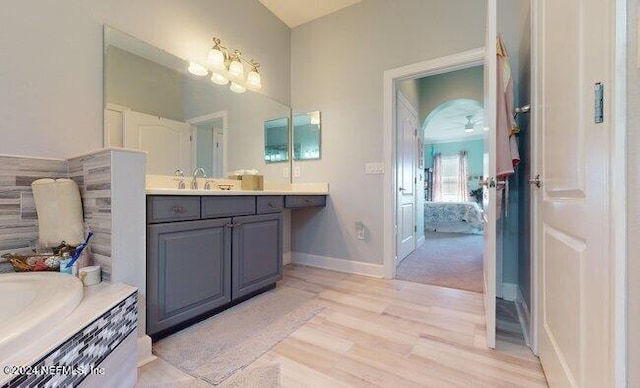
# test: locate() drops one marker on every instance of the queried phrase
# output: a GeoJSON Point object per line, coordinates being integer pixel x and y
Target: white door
{"type": "Point", "coordinates": [489, 198]}
{"type": "Point", "coordinates": [407, 127]}
{"type": "Point", "coordinates": [167, 142]}
{"type": "Point", "coordinates": [574, 52]}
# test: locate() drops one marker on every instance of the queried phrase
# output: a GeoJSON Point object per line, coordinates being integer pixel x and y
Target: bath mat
{"type": "Point", "coordinates": [260, 377]}
{"type": "Point", "coordinates": [217, 347]}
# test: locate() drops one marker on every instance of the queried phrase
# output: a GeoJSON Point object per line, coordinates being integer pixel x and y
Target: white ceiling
{"type": "Point", "coordinates": [296, 12]}
{"type": "Point", "coordinates": [447, 122]}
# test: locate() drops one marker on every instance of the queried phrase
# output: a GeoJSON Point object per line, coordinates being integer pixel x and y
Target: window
{"type": "Point", "coordinates": [450, 181]}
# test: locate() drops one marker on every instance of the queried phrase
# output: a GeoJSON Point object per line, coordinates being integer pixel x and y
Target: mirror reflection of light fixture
{"type": "Point", "coordinates": [314, 118]}
{"type": "Point", "coordinates": [197, 69]}
{"type": "Point", "coordinates": [219, 79]}
{"type": "Point", "coordinates": [237, 88]}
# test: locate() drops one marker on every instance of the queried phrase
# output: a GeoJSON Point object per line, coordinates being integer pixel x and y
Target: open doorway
{"type": "Point", "coordinates": [448, 217]}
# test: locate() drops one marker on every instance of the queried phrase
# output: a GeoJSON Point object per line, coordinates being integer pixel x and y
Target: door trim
{"type": "Point", "coordinates": [436, 66]}
{"type": "Point", "coordinates": [225, 128]}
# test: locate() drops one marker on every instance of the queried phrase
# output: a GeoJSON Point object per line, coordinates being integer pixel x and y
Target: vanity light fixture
{"type": "Point", "coordinates": [227, 65]}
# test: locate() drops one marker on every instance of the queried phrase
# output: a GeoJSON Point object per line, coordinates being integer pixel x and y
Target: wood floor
{"type": "Point", "coordinates": [387, 333]}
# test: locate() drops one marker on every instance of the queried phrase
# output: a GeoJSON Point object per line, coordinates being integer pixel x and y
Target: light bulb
{"type": "Point", "coordinates": [237, 88]}
{"type": "Point", "coordinates": [236, 69]}
{"type": "Point", "coordinates": [197, 69]}
{"type": "Point", "coordinates": [219, 79]}
{"type": "Point", "coordinates": [253, 79]}
{"type": "Point", "coordinates": [216, 58]}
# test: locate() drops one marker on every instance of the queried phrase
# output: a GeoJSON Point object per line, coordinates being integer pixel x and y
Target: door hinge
{"type": "Point", "coordinates": [598, 90]}
{"type": "Point", "coordinates": [415, 132]}
{"type": "Point", "coordinates": [415, 228]}
{"type": "Point", "coordinates": [190, 138]}
{"type": "Point", "coordinates": [415, 181]}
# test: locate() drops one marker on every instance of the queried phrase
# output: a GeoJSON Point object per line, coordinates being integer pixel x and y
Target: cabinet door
{"type": "Point", "coordinates": [188, 270]}
{"type": "Point", "coordinates": [257, 253]}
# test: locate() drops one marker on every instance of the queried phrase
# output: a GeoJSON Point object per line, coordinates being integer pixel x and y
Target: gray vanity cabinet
{"type": "Point", "coordinates": [206, 253]}
{"type": "Point", "coordinates": [256, 253]}
{"type": "Point", "coordinates": [188, 270]}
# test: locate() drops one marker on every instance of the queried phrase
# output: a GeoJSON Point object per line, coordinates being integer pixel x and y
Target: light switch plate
{"type": "Point", "coordinates": [285, 172]}
{"type": "Point", "coordinates": [373, 168]}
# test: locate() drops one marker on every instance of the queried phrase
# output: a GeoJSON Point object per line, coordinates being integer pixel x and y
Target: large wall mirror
{"type": "Point", "coordinates": [306, 136]}
{"type": "Point", "coordinates": [153, 103]}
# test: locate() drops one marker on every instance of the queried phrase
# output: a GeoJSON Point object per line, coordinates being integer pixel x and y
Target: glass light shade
{"type": "Point", "coordinates": [468, 130]}
{"type": "Point", "coordinates": [197, 69]}
{"type": "Point", "coordinates": [219, 79]}
{"type": "Point", "coordinates": [253, 80]}
{"type": "Point", "coordinates": [216, 58]}
{"type": "Point", "coordinates": [237, 88]}
{"type": "Point", "coordinates": [236, 69]}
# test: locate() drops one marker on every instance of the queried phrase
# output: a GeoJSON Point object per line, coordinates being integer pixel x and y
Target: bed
{"type": "Point", "coordinates": [453, 217]}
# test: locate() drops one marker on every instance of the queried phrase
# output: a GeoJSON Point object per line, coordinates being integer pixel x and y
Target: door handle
{"type": "Point", "coordinates": [400, 188]}
{"type": "Point", "coordinates": [489, 182]}
{"type": "Point", "coordinates": [536, 181]}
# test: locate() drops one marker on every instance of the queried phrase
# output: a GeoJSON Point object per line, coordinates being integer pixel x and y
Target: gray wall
{"type": "Point", "coordinates": [337, 66]}
{"type": "Point", "coordinates": [633, 197]}
{"type": "Point", "coordinates": [514, 26]}
{"type": "Point", "coordinates": [51, 75]}
{"type": "Point", "coordinates": [437, 89]}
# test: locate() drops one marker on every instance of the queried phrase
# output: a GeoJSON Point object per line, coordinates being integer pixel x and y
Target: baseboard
{"type": "Point", "coordinates": [339, 265]}
{"type": "Point", "coordinates": [509, 291]}
{"type": "Point", "coordinates": [286, 258]}
{"type": "Point", "coordinates": [144, 350]}
{"type": "Point", "coordinates": [523, 316]}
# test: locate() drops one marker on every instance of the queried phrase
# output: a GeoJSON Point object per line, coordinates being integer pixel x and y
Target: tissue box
{"type": "Point", "coordinates": [252, 182]}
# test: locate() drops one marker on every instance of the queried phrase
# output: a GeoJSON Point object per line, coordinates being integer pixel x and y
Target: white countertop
{"type": "Point", "coordinates": [167, 185]}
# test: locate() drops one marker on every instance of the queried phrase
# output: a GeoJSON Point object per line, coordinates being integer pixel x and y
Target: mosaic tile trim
{"type": "Point", "coordinates": [84, 351]}
{"type": "Point", "coordinates": [18, 220]}
{"type": "Point", "coordinates": [92, 174]}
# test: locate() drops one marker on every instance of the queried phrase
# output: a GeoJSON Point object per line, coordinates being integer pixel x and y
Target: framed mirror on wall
{"type": "Point", "coordinates": [152, 102]}
{"type": "Point", "coordinates": [306, 136]}
{"type": "Point", "coordinates": [276, 140]}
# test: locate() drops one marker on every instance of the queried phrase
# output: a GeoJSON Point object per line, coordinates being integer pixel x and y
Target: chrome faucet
{"type": "Point", "coordinates": [194, 181]}
{"type": "Point", "coordinates": [179, 176]}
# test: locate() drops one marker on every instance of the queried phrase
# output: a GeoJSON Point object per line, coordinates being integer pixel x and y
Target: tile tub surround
{"type": "Point", "coordinates": [105, 317]}
{"type": "Point", "coordinates": [18, 219]}
{"type": "Point", "coordinates": [92, 174]}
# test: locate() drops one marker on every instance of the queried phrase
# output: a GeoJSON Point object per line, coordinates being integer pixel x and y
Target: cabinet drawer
{"type": "Point", "coordinates": [270, 204]}
{"type": "Point", "coordinates": [305, 200]}
{"type": "Point", "coordinates": [172, 208]}
{"type": "Point", "coordinates": [213, 207]}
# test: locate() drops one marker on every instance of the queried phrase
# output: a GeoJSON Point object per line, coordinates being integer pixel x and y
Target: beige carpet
{"type": "Point", "coordinates": [451, 260]}
{"type": "Point", "coordinates": [260, 377]}
{"type": "Point", "coordinates": [214, 349]}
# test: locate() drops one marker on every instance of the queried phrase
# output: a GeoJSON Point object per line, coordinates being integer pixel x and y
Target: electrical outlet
{"type": "Point", "coordinates": [285, 172]}
{"type": "Point", "coordinates": [360, 230]}
{"type": "Point", "coordinates": [296, 172]}
{"type": "Point", "coordinates": [371, 168]}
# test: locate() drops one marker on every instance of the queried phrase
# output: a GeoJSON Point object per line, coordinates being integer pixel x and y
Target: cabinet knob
{"type": "Point", "coordinates": [271, 205]}
{"type": "Point", "coordinates": [307, 201]}
{"type": "Point", "coordinates": [179, 209]}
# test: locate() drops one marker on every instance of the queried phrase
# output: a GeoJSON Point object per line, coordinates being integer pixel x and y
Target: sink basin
{"type": "Point", "coordinates": [32, 304]}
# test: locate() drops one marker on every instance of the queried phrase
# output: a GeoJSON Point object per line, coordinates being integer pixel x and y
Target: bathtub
{"type": "Point", "coordinates": [31, 303]}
